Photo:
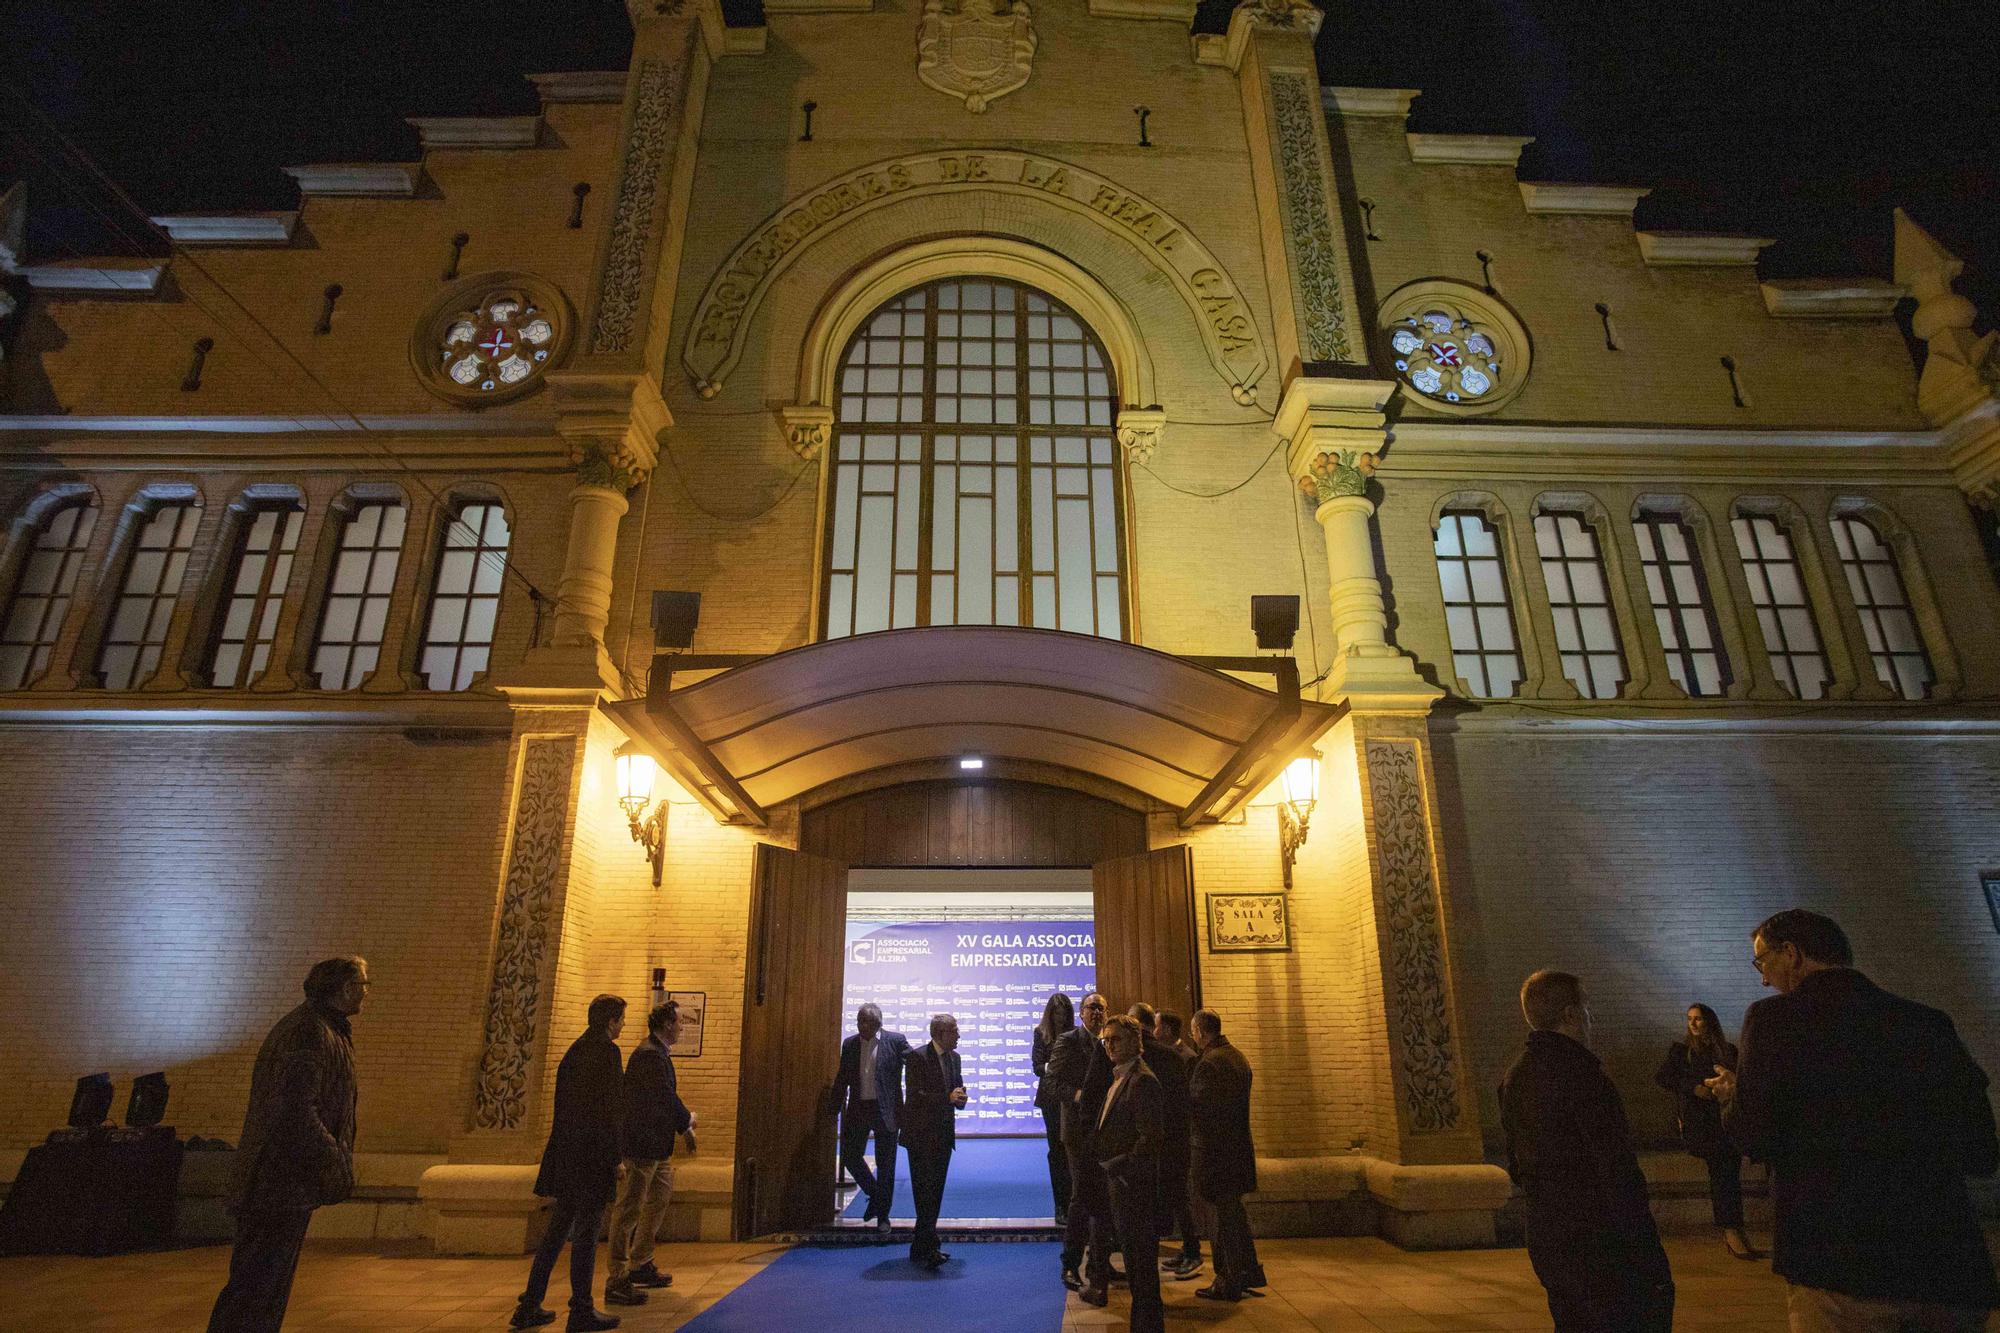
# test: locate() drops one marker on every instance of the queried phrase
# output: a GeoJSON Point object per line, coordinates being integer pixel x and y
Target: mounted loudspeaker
{"type": "Point", "coordinates": [675, 614]}
{"type": "Point", "coordinates": [1275, 621]}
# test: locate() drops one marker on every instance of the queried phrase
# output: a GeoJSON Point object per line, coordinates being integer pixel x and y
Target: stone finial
{"type": "Point", "coordinates": [1139, 432]}
{"type": "Point", "coordinates": [1961, 369]}
{"type": "Point", "coordinates": [807, 429]}
{"type": "Point", "coordinates": [1290, 14]}
{"type": "Point", "coordinates": [1334, 473]}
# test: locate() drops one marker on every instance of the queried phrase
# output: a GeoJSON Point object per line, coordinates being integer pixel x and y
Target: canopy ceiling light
{"type": "Point", "coordinates": [1300, 781]}
{"type": "Point", "coordinates": [636, 772]}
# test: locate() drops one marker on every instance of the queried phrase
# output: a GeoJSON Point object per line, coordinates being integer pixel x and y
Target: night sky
{"type": "Point", "coordinates": [1807, 123]}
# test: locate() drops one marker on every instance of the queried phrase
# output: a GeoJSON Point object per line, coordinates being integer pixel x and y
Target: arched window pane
{"type": "Point", "coordinates": [254, 594]}
{"type": "Point", "coordinates": [1586, 629]}
{"type": "Point", "coordinates": [357, 602]}
{"type": "Point", "coordinates": [1791, 636]}
{"type": "Point", "coordinates": [1682, 607]}
{"type": "Point", "coordinates": [465, 597]}
{"type": "Point", "coordinates": [1894, 643]}
{"type": "Point", "coordinates": [154, 568]}
{"type": "Point", "coordinates": [41, 595]}
{"type": "Point", "coordinates": [1485, 653]}
{"type": "Point", "coordinates": [975, 479]}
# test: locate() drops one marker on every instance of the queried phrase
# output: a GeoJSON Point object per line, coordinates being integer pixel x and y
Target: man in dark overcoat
{"type": "Point", "coordinates": [1126, 1144]}
{"type": "Point", "coordinates": [1224, 1157]}
{"type": "Point", "coordinates": [1080, 1073]}
{"type": "Point", "coordinates": [1871, 1113]}
{"type": "Point", "coordinates": [297, 1149]}
{"type": "Point", "coordinates": [1165, 1059]}
{"type": "Point", "coordinates": [933, 1092]}
{"type": "Point", "coordinates": [580, 1168]}
{"type": "Point", "coordinates": [868, 1093]}
{"type": "Point", "coordinates": [1591, 1238]}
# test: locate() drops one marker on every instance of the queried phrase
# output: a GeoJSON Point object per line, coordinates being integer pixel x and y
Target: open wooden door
{"type": "Point", "coordinates": [791, 1042]}
{"type": "Point", "coordinates": [1145, 930]}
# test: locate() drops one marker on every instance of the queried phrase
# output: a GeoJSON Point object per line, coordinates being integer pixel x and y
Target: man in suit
{"type": "Point", "coordinates": [1591, 1238]}
{"type": "Point", "coordinates": [1223, 1158]}
{"type": "Point", "coordinates": [1871, 1114]}
{"type": "Point", "coordinates": [933, 1092]}
{"type": "Point", "coordinates": [1081, 1074]}
{"type": "Point", "coordinates": [868, 1093]}
{"type": "Point", "coordinates": [1165, 1062]}
{"type": "Point", "coordinates": [1126, 1144]}
{"type": "Point", "coordinates": [579, 1168]}
{"type": "Point", "coordinates": [1169, 1029]}
{"type": "Point", "coordinates": [655, 1116]}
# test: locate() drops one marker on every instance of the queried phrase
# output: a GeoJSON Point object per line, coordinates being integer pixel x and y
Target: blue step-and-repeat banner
{"type": "Point", "coordinates": [994, 977]}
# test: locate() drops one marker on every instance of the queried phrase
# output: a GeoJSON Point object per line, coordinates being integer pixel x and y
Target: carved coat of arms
{"type": "Point", "coordinates": [975, 49]}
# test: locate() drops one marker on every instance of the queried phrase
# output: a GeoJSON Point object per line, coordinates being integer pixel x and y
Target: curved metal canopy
{"type": "Point", "coordinates": [770, 729]}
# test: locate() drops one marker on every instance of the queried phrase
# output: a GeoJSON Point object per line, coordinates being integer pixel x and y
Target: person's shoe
{"type": "Point", "coordinates": [1071, 1278]}
{"type": "Point", "coordinates": [1185, 1269]}
{"type": "Point", "coordinates": [1739, 1244]}
{"type": "Point", "coordinates": [1094, 1295]}
{"type": "Point", "coordinates": [649, 1275]}
{"type": "Point", "coordinates": [1215, 1291]}
{"type": "Point", "coordinates": [590, 1321]}
{"type": "Point", "coordinates": [1256, 1278]}
{"type": "Point", "coordinates": [531, 1316]}
{"type": "Point", "coordinates": [622, 1292]}
{"type": "Point", "coordinates": [1115, 1274]}
{"type": "Point", "coordinates": [882, 1224]}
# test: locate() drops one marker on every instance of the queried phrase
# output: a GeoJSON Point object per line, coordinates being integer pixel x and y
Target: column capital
{"type": "Point", "coordinates": [1332, 417]}
{"type": "Point", "coordinates": [1286, 16]}
{"type": "Point", "coordinates": [808, 428]}
{"type": "Point", "coordinates": [612, 424]}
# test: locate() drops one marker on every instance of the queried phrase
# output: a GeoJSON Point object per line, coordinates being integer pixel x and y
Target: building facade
{"type": "Point", "coordinates": [976, 364]}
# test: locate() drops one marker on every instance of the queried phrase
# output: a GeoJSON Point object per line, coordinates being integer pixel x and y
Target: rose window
{"type": "Point", "coordinates": [502, 341]}
{"type": "Point", "coordinates": [1445, 355]}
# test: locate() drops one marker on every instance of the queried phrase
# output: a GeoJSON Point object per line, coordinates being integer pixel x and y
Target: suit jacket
{"type": "Point", "coordinates": [1048, 1096]}
{"type": "Point", "coordinates": [928, 1079]}
{"type": "Point", "coordinates": [891, 1049]}
{"type": "Point", "coordinates": [1128, 1142]}
{"type": "Point", "coordinates": [1871, 1114]}
{"type": "Point", "coordinates": [1079, 1064]}
{"type": "Point", "coordinates": [1570, 1149]}
{"type": "Point", "coordinates": [1173, 1072]}
{"type": "Point", "coordinates": [1224, 1158]}
{"type": "Point", "coordinates": [654, 1112]}
{"type": "Point", "coordinates": [297, 1149]}
{"type": "Point", "coordinates": [581, 1159]}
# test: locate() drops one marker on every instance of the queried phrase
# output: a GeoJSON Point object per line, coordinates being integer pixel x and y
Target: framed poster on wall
{"type": "Point", "coordinates": [1249, 923]}
{"type": "Point", "coordinates": [693, 1004]}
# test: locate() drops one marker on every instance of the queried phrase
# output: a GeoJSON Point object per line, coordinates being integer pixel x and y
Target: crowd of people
{"type": "Point", "coordinates": [1867, 1108]}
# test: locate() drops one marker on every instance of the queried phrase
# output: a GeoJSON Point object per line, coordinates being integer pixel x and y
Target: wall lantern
{"type": "Point", "coordinates": [1300, 782]}
{"type": "Point", "coordinates": [636, 771]}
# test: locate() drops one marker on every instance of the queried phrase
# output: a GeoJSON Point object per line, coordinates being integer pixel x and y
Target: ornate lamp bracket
{"type": "Point", "coordinates": [1291, 837]}
{"type": "Point", "coordinates": [650, 832]}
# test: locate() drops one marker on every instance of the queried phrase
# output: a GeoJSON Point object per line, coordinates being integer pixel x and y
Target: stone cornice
{"type": "Point", "coordinates": [383, 453]}
{"type": "Point", "coordinates": [818, 7]}
{"type": "Point", "coordinates": [1176, 11]}
{"type": "Point", "coordinates": [1587, 200]}
{"type": "Point", "coordinates": [1369, 103]}
{"type": "Point", "coordinates": [582, 85]}
{"type": "Point", "coordinates": [1468, 150]}
{"type": "Point", "coordinates": [107, 275]}
{"type": "Point", "coordinates": [379, 179]}
{"type": "Point", "coordinates": [467, 713]}
{"type": "Point", "coordinates": [476, 131]}
{"type": "Point", "coordinates": [1831, 298]}
{"type": "Point", "coordinates": [1687, 248]}
{"type": "Point", "coordinates": [230, 228]}
{"type": "Point", "coordinates": [1708, 718]}
{"type": "Point", "coordinates": [1664, 457]}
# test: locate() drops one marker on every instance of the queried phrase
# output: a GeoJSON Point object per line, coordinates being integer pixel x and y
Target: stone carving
{"type": "Point", "coordinates": [807, 430]}
{"type": "Point", "coordinates": [632, 221]}
{"type": "Point", "coordinates": [1416, 939]}
{"type": "Point", "coordinates": [1139, 432]}
{"type": "Point", "coordinates": [606, 465]}
{"type": "Point", "coordinates": [1342, 472]}
{"type": "Point", "coordinates": [1309, 227]}
{"type": "Point", "coordinates": [1300, 15]}
{"type": "Point", "coordinates": [976, 50]}
{"type": "Point", "coordinates": [541, 812]}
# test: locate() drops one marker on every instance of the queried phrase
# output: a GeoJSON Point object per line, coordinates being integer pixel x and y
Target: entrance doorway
{"type": "Point", "coordinates": [988, 946]}
{"type": "Point", "coordinates": [1141, 913]}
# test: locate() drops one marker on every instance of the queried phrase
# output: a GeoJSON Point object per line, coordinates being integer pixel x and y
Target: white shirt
{"type": "Point", "coordinates": [866, 1054]}
{"type": "Point", "coordinates": [1124, 1076]}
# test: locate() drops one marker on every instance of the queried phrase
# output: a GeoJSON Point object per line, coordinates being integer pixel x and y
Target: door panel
{"type": "Point", "coordinates": [1145, 930]}
{"type": "Point", "coordinates": [791, 1042]}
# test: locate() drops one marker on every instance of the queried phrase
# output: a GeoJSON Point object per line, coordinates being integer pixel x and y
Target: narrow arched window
{"type": "Point", "coordinates": [356, 615]}
{"type": "Point", "coordinates": [1479, 617]}
{"type": "Point", "coordinates": [1683, 610]}
{"type": "Point", "coordinates": [260, 568]}
{"type": "Point", "coordinates": [465, 596]}
{"type": "Point", "coordinates": [975, 477]}
{"type": "Point", "coordinates": [1887, 618]}
{"type": "Point", "coordinates": [1580, 601]}
{"type": "Point", "coordinates": [40, 597]}
{"type": "Point", "coordinates": [1784, 611]}
{"type": "Point", "coordinates": [156, 561]}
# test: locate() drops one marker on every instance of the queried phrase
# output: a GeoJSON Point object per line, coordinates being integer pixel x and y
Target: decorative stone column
{"type": "Point", "coordinates": [612, 425]}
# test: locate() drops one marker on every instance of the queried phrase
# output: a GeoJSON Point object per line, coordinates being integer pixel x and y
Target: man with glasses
{"type": "Point", "coordinates": [1080, 1072]}
{"type": "Point", "coordinates": [1871, 1113]}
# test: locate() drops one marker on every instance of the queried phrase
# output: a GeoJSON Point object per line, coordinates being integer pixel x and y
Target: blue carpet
{"type": "Point", "coordinates": [989, 1178]}
{"type": "Point", "coordinates": [986, 1288]}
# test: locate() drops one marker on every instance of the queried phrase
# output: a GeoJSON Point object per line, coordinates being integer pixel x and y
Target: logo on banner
{"type": "Point", "coordinates": [862, 952]}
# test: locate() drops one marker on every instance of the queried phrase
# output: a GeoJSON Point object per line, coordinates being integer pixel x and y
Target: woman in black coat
{"type": "Point", "coordinates": [1058, 1017]}
{"type": "Point", "coordinates": [1690, 1062]}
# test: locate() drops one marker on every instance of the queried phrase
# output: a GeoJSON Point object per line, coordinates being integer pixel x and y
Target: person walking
{"type": "Point", "coordinates": [933, 1094]}
{"type": "Point", "coordinates": [1167, 1066]}
{"type": "Point", "coordinates": [297, 1149]}
{"type": "Point", "coordinates": [1223, 1162]}
{"type": "Point", "coordinates": [1591, 1237]}
{"type": "Point", "coordinates": [868, 1093]}
{"type": "Point", "coordinates": [1081, 1073]}
{"type": "Point", "coordinates": [1168, 1028]}
{"type": "Point", "coordinates": [1689, 1064]}
{"type": "Point", "coordinates": [1871, 1114]}
{"type": "Point", "coordinates": [579, 1169]}
{"type": "Point", "coordinates": [654, 1117]}
{"type": "Point", "coordinates": [1126, 1143]}
{"type": "Point", "coordinates": [1058, 1017]}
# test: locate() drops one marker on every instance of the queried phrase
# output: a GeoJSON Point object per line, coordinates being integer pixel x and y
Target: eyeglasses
{"type": "Point", "coordinates": [1757, 959]}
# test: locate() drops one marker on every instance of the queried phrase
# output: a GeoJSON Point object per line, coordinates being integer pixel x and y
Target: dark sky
{"type": "Point", "coordinates": [1803, 122]}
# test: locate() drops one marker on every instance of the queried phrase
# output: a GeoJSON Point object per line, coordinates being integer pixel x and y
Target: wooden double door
{"type": "Point", "coordinates": [1143, 901]}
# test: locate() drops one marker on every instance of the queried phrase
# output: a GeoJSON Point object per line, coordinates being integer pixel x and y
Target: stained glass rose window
{"type": "Point", "coordinates": [491, 338]}
{"type": "Point", "coordinates": [1455, 346]}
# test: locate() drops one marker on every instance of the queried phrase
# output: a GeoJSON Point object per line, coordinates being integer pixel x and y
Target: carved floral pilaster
{"type": "Point", "coordinates": [661, 88]}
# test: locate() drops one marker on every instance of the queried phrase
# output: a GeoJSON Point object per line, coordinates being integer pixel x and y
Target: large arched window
{"type": "Point", "coordinates": [975, 477]}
